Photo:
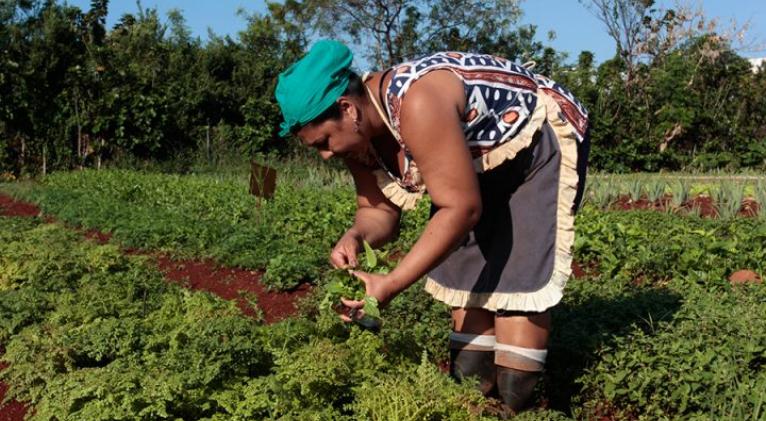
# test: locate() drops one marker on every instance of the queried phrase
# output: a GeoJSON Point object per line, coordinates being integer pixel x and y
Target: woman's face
{"type": "Point", "coordinates": [336, 137]}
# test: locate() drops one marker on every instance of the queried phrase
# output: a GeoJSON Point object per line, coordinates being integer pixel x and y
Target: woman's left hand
{"type": "Point", "coordinates": [376, 285]}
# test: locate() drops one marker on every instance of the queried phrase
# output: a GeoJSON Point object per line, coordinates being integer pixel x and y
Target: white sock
{"type": "Point", "coordinates": [538, 355]}
{"type": "Point", "coordinates": [471, 339]}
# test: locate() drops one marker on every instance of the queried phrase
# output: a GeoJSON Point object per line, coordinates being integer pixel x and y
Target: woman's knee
{"type": "Point", "coordinates": [523, 329]}
{"type": "Point", "coordinates": [476, 321]}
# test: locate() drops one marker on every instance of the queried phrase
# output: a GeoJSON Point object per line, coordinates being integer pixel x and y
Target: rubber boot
{"type": "Point", "coordinates": [467, 363]}
{"type": "Point", "coordinates": [516, 387]}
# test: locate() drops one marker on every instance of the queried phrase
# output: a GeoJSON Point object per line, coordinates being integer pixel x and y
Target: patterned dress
{"type": "Point", "coordinates": [516, 123]}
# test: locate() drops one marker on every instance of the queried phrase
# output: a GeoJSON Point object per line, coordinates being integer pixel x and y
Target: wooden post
{"type": "Point", "coordinates": [263, 180]}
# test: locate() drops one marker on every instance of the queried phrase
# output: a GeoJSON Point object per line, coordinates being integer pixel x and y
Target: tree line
{"type": "Point", "coordinates": [75, 93]}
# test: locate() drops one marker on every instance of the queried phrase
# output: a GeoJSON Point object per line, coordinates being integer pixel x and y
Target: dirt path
{"type": "Point", "coordinates": [241, 285]}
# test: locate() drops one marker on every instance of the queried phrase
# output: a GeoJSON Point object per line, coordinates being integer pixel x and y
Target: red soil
{"type": "Point", "coordinates": [749, 208]}
{"type": "Point", "coordinates": [13, 410]}
{"type": "Point", "coordinates": [206, 275]}
{"type": "Point", "coordinates": [233, 284]}
{"type": "Point", "coordinates": [97, 236]}
{"type": "Point", "coordinates": [707, 208]}
{"type": "Point", "coordinates": [577, 270]}
{"type": "Point", "coordinates": [605, 411]}
{"type": "Point", "coordinates": [11, 207]}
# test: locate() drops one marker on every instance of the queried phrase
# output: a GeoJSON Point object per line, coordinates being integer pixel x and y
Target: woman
{"type": "Point", "coordinates": [500, 151]}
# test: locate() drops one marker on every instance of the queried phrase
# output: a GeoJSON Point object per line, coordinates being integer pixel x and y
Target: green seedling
{"type": "Point", "coordinates": [343, 284]}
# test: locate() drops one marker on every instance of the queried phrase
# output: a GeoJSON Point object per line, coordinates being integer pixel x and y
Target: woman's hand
{"type": "Point", "coordinates": [376, 285]}
{"type": "Point", "coordinates": [343, 255]}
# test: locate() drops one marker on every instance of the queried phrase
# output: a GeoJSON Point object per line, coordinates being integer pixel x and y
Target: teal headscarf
{"type": "Point", "coordinates": [313, 83]}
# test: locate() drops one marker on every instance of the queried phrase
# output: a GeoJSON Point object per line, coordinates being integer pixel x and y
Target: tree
{"type": "Point", "coordinates": [625, 21]}
{"type": "Point", "coordinates": [390, 31]}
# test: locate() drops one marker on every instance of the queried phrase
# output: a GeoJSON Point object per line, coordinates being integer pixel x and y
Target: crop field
{"type": "Point", "coordinates": [139, 296]}
{"type": "Point", "coordinates": [711, 195]}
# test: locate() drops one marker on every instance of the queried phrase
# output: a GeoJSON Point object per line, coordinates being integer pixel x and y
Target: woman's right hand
{"type": "Point", "coordinates": [343, 255]}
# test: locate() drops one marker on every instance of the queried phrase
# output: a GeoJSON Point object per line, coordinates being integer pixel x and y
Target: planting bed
{"type": "Point", "coordinates": [704, 205]}
{"type": "Point", "coordinates": [228, 283]}
{"type": "Point", "coordinates": [647, 317]}
{"type": "Point", "coordinates": [202, 275]}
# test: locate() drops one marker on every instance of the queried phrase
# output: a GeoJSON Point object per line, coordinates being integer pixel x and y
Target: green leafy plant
{"type": "Point", "coordinates": [604, 194]}
{"type": "Point", "coordinates": [343, 284]}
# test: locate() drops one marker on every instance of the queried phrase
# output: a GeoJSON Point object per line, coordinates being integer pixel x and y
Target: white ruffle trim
{"type": "Point", "coordinates": [398, 195]}
{"type": "Point", "coordinates": [552, 292]}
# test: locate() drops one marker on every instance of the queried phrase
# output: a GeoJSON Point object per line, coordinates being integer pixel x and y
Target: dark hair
{"type": "Point", "coordinates": [355, 88]}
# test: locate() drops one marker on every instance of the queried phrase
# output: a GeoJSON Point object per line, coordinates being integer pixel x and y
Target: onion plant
{"type": "Point", "coordinates": [680, 191]}
{"type": "Point", "coordinates": [635, 189]}
{"type": "Point", "coordinates": [655, 190]}
{"type": "Point", "coordinates": [730, 199]}
{"type": "Point", "coordinates": [760, 197]}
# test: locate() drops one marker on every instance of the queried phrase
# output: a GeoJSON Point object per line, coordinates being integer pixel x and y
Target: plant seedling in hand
{"type": "Point", "coordinates": [343, 284]}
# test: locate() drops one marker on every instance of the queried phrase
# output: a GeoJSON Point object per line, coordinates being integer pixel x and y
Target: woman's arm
{"type": "Point", "coordinates": [376, 220]}
{"type": "Point", "coordinates": [431, 128]}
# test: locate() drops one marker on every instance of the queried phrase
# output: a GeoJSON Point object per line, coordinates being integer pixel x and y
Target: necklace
{"type": "Point", "coordinates": [378, 108]}
{"type": "Point", "coordinates": [384, 117]}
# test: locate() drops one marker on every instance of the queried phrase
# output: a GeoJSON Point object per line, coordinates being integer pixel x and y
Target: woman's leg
{"type": "Point", "coordinates": [522, 341]}
{"type": "Point", "coordinates": [472, 346]}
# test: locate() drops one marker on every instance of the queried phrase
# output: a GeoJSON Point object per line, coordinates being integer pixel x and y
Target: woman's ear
{"type": "Point", "coordinates": [350, 107]}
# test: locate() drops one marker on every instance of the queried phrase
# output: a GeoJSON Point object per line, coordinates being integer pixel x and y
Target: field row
{"type": "Point", "coordinates": [720, 197]}
{"type": "Point", "coordinates": [651, 329]}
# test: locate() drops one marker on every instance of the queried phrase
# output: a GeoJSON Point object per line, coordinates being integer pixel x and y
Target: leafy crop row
{"type": "Point", "coordinates": [651, 247]}
{"type": "Point", "coordinates": [656, 331]}
{"type": "Point", "coordinates": [92, 334]}
{"type": "Point", "coordinates": [676, 194]}
{"type": "Point", "coordinates": [209, 216]}
{"type": "Point", "coordinates": [204, 216]}
{"type": "Point", "coordinates": [653, 330]}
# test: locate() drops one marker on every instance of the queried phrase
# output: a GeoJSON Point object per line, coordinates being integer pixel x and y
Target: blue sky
{"type": "Point", "coordinates": [576, 28]}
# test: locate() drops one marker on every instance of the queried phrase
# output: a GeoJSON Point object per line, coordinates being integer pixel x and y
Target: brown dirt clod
{"type": "Point", "coordinates": [745, 277]}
